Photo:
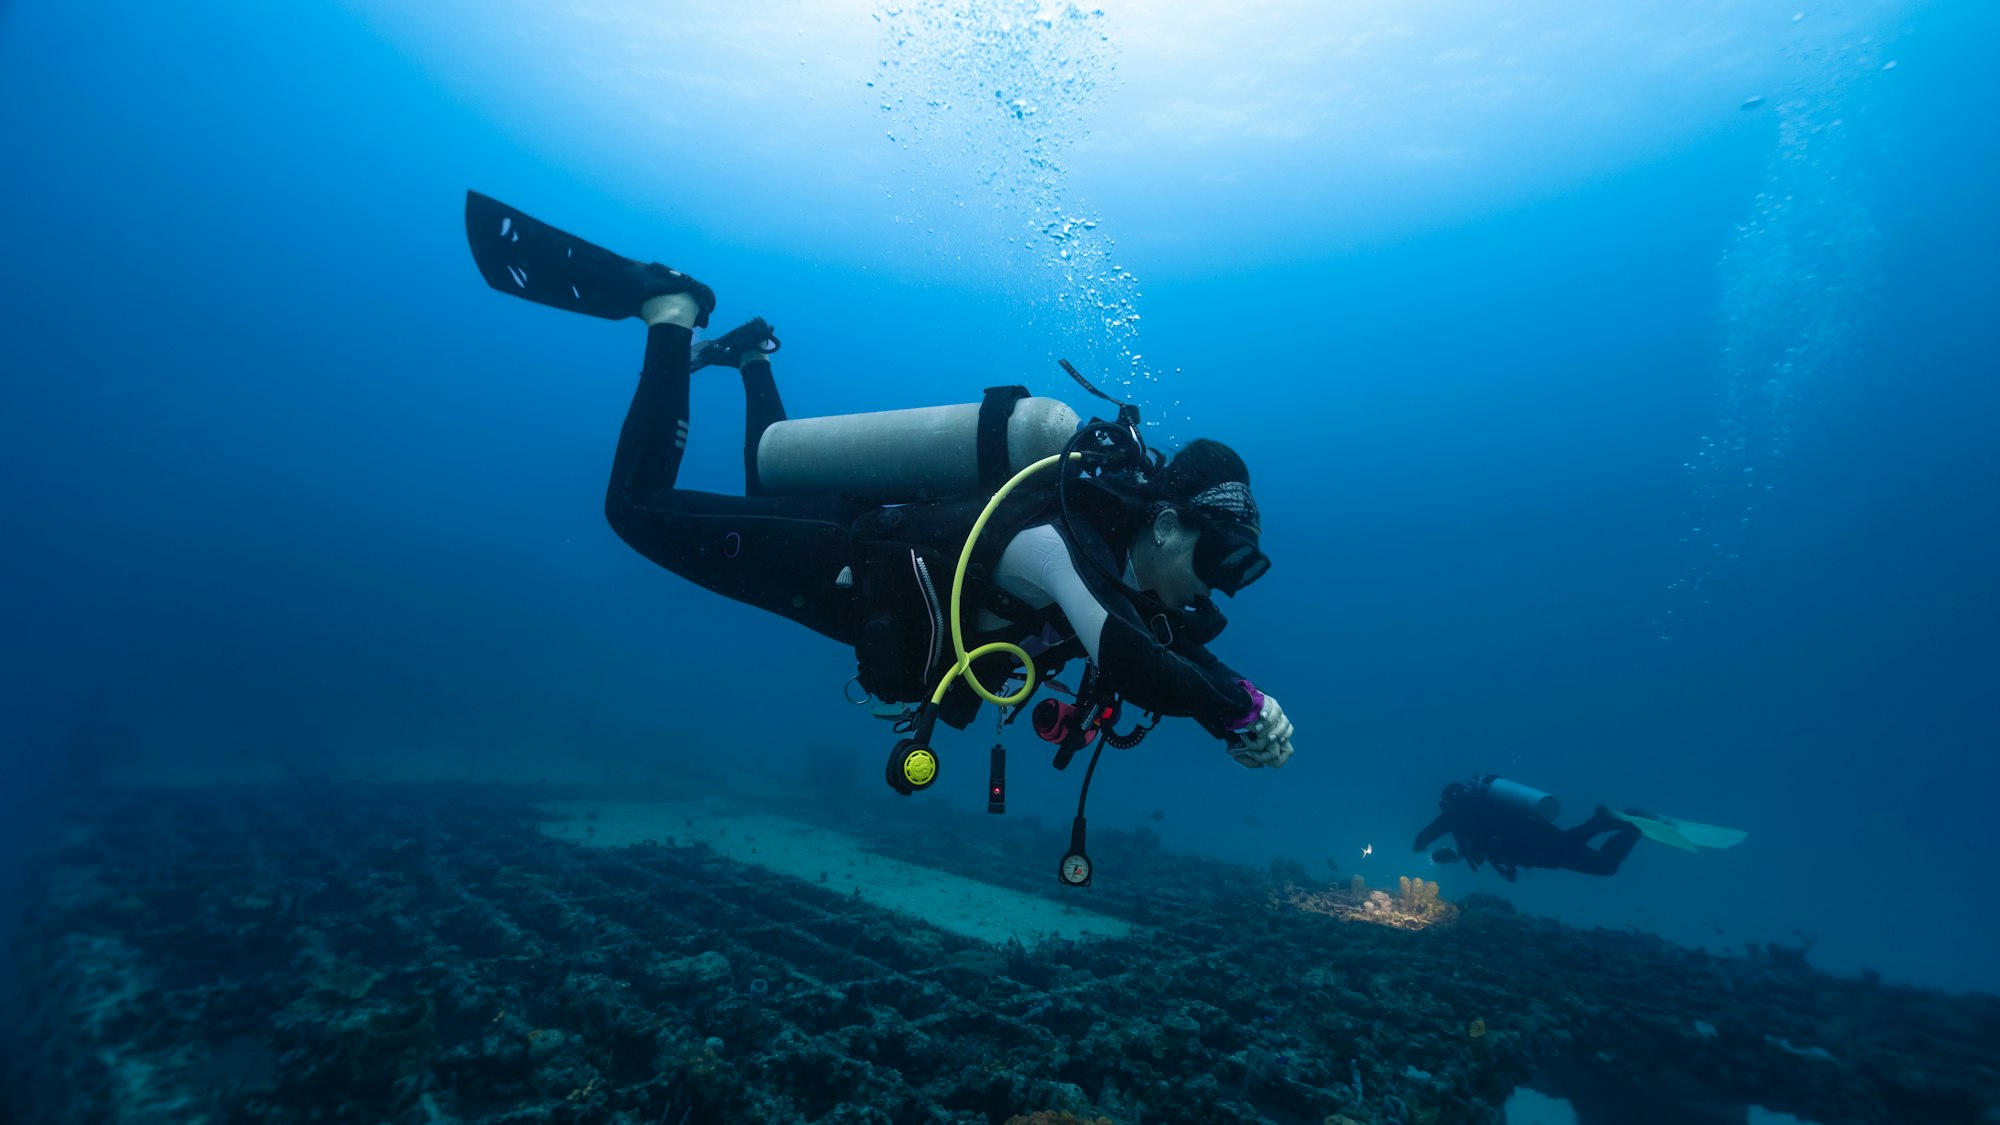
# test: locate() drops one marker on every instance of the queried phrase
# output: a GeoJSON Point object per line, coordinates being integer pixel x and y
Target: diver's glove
{"type": "Point", "coordinates": [1266, 740]}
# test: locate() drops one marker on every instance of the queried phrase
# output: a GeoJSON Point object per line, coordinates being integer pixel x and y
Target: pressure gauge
{"type": "Point", "coordinates": [1076, 869]}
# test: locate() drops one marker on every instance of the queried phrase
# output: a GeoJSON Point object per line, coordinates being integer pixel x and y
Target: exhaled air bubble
{"type": "Point", "coordinates": [519, 275]}
{"type": "Point", "coordinates": [506, 225]}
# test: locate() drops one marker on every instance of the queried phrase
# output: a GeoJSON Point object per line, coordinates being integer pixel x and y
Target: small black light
{"type": "Point", "coordinates": [996, 785]}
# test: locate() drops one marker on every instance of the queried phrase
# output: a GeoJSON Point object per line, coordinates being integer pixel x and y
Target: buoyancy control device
{"type": "Point", "coordinates": [948, 488]}
{"type": "Point", "coordinates": [1095, 449]}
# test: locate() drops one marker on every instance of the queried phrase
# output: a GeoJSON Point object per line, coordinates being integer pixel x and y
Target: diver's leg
{"type": "Point", "coordinates": [647, 458]}
{"type": "Point", "coordinates": [1611, 853]}
{"type": "Point", "coordinates": [748, 348]}
{"type": "Point", "coordinates": [784, 555]}
{"type": "Point", "coordinates": [761, 407]}
{"type": "Point", "coordinates": [1605, 859]}
{"type": "Point", "coordinates": [654, 437]}
{"type": "Point", "coordinates": [1600, 822]}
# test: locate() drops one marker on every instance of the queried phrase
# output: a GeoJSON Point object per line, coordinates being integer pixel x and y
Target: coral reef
{"type": "Point", "coordinates": [1415, 906]}
{"type": "Point", "coordinates": [419, 956]}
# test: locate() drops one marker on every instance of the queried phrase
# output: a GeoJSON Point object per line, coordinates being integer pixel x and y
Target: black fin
{"type": "Point", "coordinates": [522, 256]}
{"type": "Point", "coordinates": [729, 348]}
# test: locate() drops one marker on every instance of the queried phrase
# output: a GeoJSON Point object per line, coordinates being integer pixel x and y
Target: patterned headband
{"type": "Point", "coordinates": [1230, 499]}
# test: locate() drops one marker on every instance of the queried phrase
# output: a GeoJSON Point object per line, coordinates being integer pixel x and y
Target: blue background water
{"type": "Point", "coordinates": [283, 483]}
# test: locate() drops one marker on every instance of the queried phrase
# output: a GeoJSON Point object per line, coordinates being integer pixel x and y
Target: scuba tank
{"type": "Point", "coordinates": [1519, 797]}
{"type": "Point", "coordinates": [902, 456]}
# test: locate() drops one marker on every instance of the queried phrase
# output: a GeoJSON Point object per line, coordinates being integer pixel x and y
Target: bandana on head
{"type": "Point", "coordinates": [1231, 500]}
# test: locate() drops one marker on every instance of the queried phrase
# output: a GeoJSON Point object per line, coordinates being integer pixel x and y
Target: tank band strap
{"type": "Point", "coordinates": [994, 410]}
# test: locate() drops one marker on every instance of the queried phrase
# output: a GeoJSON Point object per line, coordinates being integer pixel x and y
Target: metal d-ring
{"type": "Point", "coordinates": [847, 692]}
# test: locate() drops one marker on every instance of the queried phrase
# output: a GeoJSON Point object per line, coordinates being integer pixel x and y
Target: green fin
{"type": "Point", "coordinates": [1686, 835]}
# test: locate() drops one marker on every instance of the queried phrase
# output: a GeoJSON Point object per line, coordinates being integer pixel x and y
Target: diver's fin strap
{"type": "Point", "coordinates": [994, 410]}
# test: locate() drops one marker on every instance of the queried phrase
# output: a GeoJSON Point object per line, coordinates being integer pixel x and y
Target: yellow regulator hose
{"type": "Point", "coordinates": [965, 659]}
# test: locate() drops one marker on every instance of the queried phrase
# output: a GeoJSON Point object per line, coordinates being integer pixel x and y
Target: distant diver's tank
{"type": "Point", "coordinates": [902, 456]}
{"type": "Point", "coordinates": [1519, 797]}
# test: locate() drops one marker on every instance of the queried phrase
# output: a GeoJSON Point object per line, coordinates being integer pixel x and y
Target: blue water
{"type": "Point", "coordinates": [284, 483]}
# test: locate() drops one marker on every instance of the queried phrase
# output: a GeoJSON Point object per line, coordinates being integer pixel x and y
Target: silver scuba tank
{"type": "Point", "coordinates": [901, 456]}
{"type": "Point", "coordinates": [1519, 797]}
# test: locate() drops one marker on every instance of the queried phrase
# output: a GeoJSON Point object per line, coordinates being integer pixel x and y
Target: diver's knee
{"type": "Point", "coordinates": [620, 514]}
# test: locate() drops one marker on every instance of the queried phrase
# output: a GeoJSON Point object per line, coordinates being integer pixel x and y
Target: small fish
{"type": "Point", "coordinates": [1330, 863]}
{"type": "Point", "coordinates": [1752, 103]}
{"type": "Point", "coordinates": [1253, 822]}
{"type": "Point", "coordinates": [1157, 814]}
{"type": "Point", "coordinates": [1367, 850]}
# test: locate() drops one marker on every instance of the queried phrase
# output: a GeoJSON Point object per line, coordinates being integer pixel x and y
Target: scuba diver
{"type": "Point", "coordinates": [864, 528]}
{"type": "Point", "coordinates": [1511, 826]}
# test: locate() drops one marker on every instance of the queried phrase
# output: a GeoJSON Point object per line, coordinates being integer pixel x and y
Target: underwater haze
{"type": "Point", "coordinates": [1616, 382]}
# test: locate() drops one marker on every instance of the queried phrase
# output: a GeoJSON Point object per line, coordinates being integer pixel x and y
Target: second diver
{"type": "Point", "coordinates": [1511, 826]}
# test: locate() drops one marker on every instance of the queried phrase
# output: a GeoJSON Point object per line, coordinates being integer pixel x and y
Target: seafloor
{"type": "Point", "coordinates": [423, 954]}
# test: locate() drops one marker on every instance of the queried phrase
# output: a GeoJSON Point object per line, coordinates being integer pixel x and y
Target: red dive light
{"type": "Point", "coordinates": [1055, 720]}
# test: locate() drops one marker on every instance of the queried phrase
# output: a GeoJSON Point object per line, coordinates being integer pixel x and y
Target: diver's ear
{"type": "Point", "coordinates": [1166, 525]}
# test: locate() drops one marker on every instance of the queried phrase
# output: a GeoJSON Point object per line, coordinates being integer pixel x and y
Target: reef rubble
{"type": "Point", "coordinates": [423, 954]}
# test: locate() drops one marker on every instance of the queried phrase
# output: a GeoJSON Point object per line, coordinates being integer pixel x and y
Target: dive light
{"type": "Point", "coordinates": [996, 781]}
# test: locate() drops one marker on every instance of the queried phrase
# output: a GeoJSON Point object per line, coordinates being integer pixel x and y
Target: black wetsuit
{"type": "Point", "coordinates": [776, 553]}
{"type": "Point", "coordinates": [785, 554]}
{"type": "Point", "coordinates": [1488, 831]}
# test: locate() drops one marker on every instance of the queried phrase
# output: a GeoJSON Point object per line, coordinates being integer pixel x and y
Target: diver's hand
{"type": "Point", "coordinates": [1266, 742]}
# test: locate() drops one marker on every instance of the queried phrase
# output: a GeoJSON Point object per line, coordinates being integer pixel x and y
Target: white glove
{"type": "Point", "coordinates": [1266, 742]}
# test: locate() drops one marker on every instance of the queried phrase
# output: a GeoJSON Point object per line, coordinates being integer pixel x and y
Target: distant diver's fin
{"type": "Point", "coordinates": [522, 256]}
{"type": "Point", "coordinates": [1683, 834]}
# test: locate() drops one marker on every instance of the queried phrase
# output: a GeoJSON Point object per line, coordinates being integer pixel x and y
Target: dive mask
{"type": "Point", "coordinates": [1226, 557]}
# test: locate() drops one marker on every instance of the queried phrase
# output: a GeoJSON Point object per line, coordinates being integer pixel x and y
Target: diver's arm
{"type": "Point", "coordinates": [1199, 656]}
{"type": "Point", "coordinates": [1158, 679]}
{"type": "Point", "coordinates": [1148, 673]}
{"type": "Point", "coordinates": [1038, 560]}
{"type": "Point", "coordinates": [1432, 831]}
